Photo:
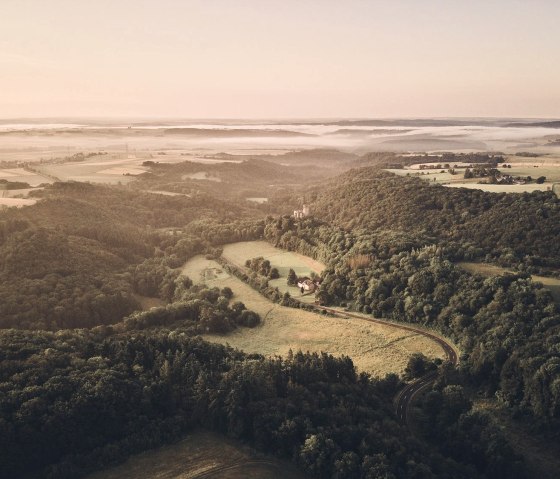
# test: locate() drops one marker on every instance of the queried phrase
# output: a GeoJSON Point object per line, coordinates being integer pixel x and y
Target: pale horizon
{"type": "Point", "coordinates": [268, 60]}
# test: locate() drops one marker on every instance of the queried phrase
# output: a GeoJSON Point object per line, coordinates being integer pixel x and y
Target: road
{"type": "Point", "coordinates": [406, 396]}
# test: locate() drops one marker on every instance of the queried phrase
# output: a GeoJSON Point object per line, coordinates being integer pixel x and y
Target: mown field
{"type": "Point", "coordinates": [23, 175]}
{"type": "Point", "coordinates": [104, 170]}
{"type": "Point", "coordinates": [201, 455]}
{"type": "Point", "coordinates": [553, 284]}
{"type": "Point", "coordinates": [376, 349]}
{"type": "Point", "coordinates": [238, 253]}
{"type": "Point", "coordinates": [548, 167]}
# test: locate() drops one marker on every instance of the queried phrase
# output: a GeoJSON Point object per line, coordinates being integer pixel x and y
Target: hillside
{"type": "Point", "coordinates": [66, 261]}
{"type": "Point", "coordinates": [513, 229]}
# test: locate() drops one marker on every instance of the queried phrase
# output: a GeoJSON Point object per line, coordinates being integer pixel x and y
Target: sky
{"type": "Point", "coordinates": [279, 59]}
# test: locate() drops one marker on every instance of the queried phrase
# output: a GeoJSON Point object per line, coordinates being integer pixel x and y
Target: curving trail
{"type": "Point", "coordinates": [405, 397]}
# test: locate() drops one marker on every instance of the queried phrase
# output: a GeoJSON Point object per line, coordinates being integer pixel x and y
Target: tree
{"type": "Point", "coordinates": [292, 277]}
{"type": "Point", "coordinates": [417, 366]}
{"type": "Point", "coordinates": [540, 180]}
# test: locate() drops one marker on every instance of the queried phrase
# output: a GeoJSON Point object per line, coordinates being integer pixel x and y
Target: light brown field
{"type": "Point", "coordinates": [16, 202]}
{"type": "Point", "coordinates": [376, 349]}
{"type": "Point", "coordinates": [20, 174]}
{"type": "Point", "coordinates": [123, 170]}
{"type": "Point", "coordinates": [201, 454]}
{"type": "Point", "coordinates": [201, 175]}
{"type": "Point", "coordinates": [259, 200]}
{"type": "Point", "coordinates": [20, 193]}
{"type": "Point", "coordinates": [530, 187]}
{"type": "Point", "coordinates": [553, 284]}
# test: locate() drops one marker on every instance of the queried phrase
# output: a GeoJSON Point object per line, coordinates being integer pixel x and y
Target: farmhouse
{"type": "Point", "coordinates": [308, 284]}
{"type": "Point", "coordinates": [302, 213]}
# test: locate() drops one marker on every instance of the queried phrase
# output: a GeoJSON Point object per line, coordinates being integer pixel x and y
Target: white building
{"type": "Point", "coordinates": [302, 213]}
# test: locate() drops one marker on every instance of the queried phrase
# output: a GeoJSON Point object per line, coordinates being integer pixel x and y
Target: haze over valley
{"type": "Point", "coordinates": [286, 240]}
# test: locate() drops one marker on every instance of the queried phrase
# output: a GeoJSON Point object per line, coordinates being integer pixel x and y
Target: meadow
{"type": "Point", "coordinates": [484, 269]}
{"type": "Point", "coordinates": [376, 349]}
{"type": "Point", "coordinates": [201, 454]}
{"type": "Point", "coordinates": [547, 166]}
{"type": "Point", "coordinates": [238, 253]}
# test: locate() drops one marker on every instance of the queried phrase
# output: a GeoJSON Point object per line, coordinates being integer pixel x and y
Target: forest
{"type": "Point", "coordinates": [391, 245]}
{"type": "Point", "coordinates": [88, 378]}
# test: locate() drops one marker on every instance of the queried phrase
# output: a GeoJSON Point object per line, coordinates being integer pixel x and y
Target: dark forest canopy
{"type": "Point", "coordinates": [77, 258]}
{"type": "Point", "coordinates": [510, 228]}
{"type": "Point", "coordinates": [77, 399]}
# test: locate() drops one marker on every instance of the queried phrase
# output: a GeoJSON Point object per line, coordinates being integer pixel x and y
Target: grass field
{"type": "Point", "coordinates": [20, 174]}
{"type": "Point", "coordinates": [542, 166]}
{"type": "Point", "coordinates": [201, 175]}
{"type": "Point", "coordinates": [553, 284]}
{"type": "Point", "coordinates": [238, 253]}
{"type": "Point", "coordinates": [374, 348]}
{"type": "Point", "coordinates": [530, 187]}
{"type": "Point", "coordinates": [110, 171]}
{"type": "Point", "coordinates": [201, 455]}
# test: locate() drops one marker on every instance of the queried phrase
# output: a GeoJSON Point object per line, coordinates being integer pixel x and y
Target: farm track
{"type": "Point", "coordinates": [235, 465]}
{"type": "Point", "coordinates": [405, 397]}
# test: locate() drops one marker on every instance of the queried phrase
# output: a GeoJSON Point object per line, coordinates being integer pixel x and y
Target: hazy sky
{"type": "Point", "coordinates": [242, 58]}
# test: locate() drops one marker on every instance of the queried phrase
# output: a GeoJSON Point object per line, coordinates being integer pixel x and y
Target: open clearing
{"type": "Point", "coordinates": [21, 174]}
{"type": "Point", "coordinates": [542, 166]}
{"type": "Point", "coordinates": [376, 349]}
{"type": "Point", "coordinates": [201, 175]}
{"type": "Point", "coordinates": [529, 188]}
{"type": "Point", "coordinates": [201, 454]}
{"type": "Point", "coordinates": [16, 202]}
{"type": "Point", "coordinates": [238, 253]}
{"type": "Point", "coordinates": [553, 284]}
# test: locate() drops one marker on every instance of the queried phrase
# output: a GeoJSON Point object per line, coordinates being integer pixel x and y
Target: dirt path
{"type": "Point", "coordinates": [374, 347]}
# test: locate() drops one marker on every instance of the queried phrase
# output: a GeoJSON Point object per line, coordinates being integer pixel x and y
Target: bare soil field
{"type": "Point", "coordinates": [553, 284]}
{"type": "Point", "coordinates": [201, 455]}
{"type": "Point", "coordinates": [376, 349]}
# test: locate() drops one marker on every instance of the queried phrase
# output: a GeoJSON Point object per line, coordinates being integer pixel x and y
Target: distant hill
{"type": "Point", "coordinates": [232, 132]}
{"type": "Point", "coordinates": [536, 124]}
{"type": "Point", "coordinates": [509, 226]}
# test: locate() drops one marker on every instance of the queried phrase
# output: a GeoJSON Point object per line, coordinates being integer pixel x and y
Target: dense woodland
{"type": "Point", "coordinates": [511, 229]}
{"type": "Point", "coordinates": [87, 378]}
{"type": "Point", "coordinates": [77, 400]}
{"type": "Point", "coordinates": [391, 244]}
{"type": "Point", "coordinates": [77, 258]}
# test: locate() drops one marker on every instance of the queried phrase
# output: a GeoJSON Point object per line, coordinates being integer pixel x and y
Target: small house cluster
{"type": "Point", "coordinates": [307, 284]}
{"type": "Point", "coordinates": [302, 213]}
